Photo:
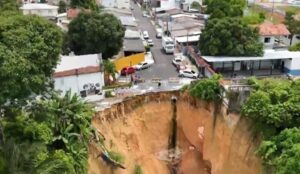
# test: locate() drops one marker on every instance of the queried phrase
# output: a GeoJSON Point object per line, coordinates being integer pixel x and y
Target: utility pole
{"type": "Point", "coordinates": [272, 10]}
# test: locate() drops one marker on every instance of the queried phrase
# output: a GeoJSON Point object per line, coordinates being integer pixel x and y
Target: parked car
{"type": "Point", "coordinates": [150, 42]}
{"type": "Point", "coordinates": [142, 65]}
{"type": "Point", "coordinates": [127, 70]}
{"type": "Point", "coordinates": [145, 35]}
{"type": "Point", "coordinates": [145, 14]}
{"type": "Point", "coordinates": [177, 61]}
{"type": "Point", "coordinates": [188, 73]}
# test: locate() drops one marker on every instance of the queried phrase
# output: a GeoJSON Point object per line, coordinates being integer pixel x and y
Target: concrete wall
{"type": "Point", "coordinates": [292, 66]}
{"type": "Point", "coordinates": [270, 44]}
{"type": "Point", "coordinates": [43, 13]}
{"type": "Point", "coordinates": [169, 4]}
{"type": "Point", "coordinates": [129, 61]}
{"type": "Point", "coordinates": [125, 4]}
{"type": "Point", "coordinates": [75, 84]}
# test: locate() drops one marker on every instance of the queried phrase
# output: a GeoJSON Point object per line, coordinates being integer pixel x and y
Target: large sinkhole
{"type": "Point", "coordinates": [166, 133]}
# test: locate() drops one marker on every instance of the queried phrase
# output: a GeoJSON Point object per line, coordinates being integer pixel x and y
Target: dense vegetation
{"type": "Point", "coordinates": [92, 33]}
{"type": "Point", "coordinates": [230, 37]}
{"type": "Point", "coordinates": [207, 89]}
{"type": "Point", "coordinates": [85, 4]}
{"type": "Point", "coordinates": [274, 107]}
{"type": "Point", "coordinates": [29, 50]}
{"type": "Point", "coordinates": [226, 33]}
{"type": "Point", "coordinates": [40, 132]}
{"type": "Point", "coordinates": [292, 24]}
{"type": "Point", "coordinates": [225, 8]}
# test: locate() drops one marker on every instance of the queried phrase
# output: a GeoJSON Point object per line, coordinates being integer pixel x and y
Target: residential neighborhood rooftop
{"type": "Point", "coordinates": [76, 62]}
{"type": "Point", "coordinates": [135, 45]}
{"type": "Point", "coordinates": [38, 6]}
{"type": "Point", "coordinates": [269, 29]}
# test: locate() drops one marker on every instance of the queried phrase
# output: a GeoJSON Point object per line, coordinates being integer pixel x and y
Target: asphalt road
{"type": "Point", "coordinates": [162, 68]}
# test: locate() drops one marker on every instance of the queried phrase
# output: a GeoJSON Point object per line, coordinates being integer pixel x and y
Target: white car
{"type": "Point", "coordinates": [177, 61]}
{"type": "Point", "coordinates": [145, 14]}
{"type": "Point", "coordinates": [150, 42]}
{"type": "Point", "coordinates": [188, 73]}
{"type": "Point", "coordinates": [145, 35]}
{"type": "Point", "coordinates": [142, 65]}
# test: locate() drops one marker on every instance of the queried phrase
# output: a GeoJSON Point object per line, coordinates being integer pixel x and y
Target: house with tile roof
{"type": "Point", "coordinates": [274, 35]}
{"type": "Point", "coordinates": [82, 74]}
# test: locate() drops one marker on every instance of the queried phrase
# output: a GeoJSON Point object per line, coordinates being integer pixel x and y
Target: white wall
{"type": "Point", "coordinates": [43, 12]}
{"type": "Point", "coordinates": [125, 4]}
{"type": "Point", "coordinates": [76, 83]}
{"type": "Point", "coordinates": [169, 4]}
{"type": "Point", "coordinates": [271, 43]}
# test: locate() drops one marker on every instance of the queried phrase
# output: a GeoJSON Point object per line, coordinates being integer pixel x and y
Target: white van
{"type": "Point", "coordinates": [159, 32]}
{"type": "Point", "coordinates": [168, 44]}
{"type": "Point", "coordinates": [145, 35]}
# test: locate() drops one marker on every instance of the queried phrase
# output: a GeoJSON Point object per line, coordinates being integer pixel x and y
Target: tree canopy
{"type": "Point", "coordinates": [86, 4]}
{"type": "Point", "coordinates": [292, 24]}
{"type": "Point", "coordinates": [229, 37]}
{"type": "Point", "coordinates": [274, 107]}
{"type": "Point", "coordinates": [62, 6]}
{"type": "Point", "coordinates": [92, 33]}
{"type": "Point", "coordinates": [195, 5]}
{"type": "Point", "coordinates": [207, 89]}
{"type": "Point", "coordinates": [51, 136]}
{"type": "Point", "coordinates": [225, 8]}
{"type": "Point", "coordinates": [29, 50]}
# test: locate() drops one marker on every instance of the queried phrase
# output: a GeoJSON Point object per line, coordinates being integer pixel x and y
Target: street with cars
{"type": "Point", "coordinates": [165, 66]}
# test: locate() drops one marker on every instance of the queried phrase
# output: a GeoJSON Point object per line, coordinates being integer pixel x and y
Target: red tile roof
{"type": "Point", "coordinates": [269, 29]}
{"type": "Point", "coordinates": [84, 70]}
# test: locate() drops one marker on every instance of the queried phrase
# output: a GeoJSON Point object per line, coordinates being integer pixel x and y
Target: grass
{"type": "Point", "coordinates": [117, 157]}
{"type": "Point", "coordinates": [138, 169]}
{"type": "Point", "coordinates": [255, 9]}
{"type": "Point", "coordinates": [117, 85]}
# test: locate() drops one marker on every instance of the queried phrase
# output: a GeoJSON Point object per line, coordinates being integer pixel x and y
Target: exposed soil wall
{"type": "Point", "coordinates": [139, 128]}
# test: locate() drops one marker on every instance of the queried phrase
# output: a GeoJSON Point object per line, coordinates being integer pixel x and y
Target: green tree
{"type": "Point", "coordinates": [225, 8]}
{"type": "Point", "coordinates": [86, 4]}
{"type": "Point", "coordinates": [62, 6]}
{"type": "Point", "coordinates": [195, 5]}
{"type": "Point", "coordinates": [29, 51]}
{"type": "Point", "coordinates": [295, 47]}
{"type": "Point", "coordinates": [282, 152]}
{"type": "Point", "coordinates": [92, 33]}
{"type": "Point", "coordinates": [9, 5]}
{"type": "Point", "coordinates": [229, 37]}
{"type": "Point", "coordinates": [69, 118]}
{"type": "Point", "coordinates": [292, 24]}
{"type": "Point", "coordinates": [207, 89]}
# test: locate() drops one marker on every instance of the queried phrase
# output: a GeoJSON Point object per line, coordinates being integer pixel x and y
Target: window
{"type": "Point", "coordinates": [267, 40]}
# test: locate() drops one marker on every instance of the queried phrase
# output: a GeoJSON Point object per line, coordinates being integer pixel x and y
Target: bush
{"type": "Point", "coordinates": [147, 48]}
{"type": "Point", "coordinates": [207, 89]}
{"type": "Point", "coordinates": [116, 157]}
{"type": "Point", "coordinates": [138, 170]}
{"type": "Point", "coordinates": [108, 94]}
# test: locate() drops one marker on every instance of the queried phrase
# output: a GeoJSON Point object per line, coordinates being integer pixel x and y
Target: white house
{"type": "Point", "coordinates": [80, 74]}
{"type": "Point", "coordinates": [121, 4]}
{"type": "Point", "coordinates": [274, 35]}
{"type": "Point", "coordinates": [44, 10]}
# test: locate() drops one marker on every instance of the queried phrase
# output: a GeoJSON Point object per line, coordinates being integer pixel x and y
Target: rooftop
{"type": "Point", "coordinates": [38, 6]}
{"type": "Point", "coordinates": [268, 55]}
{"type": "Point", "coordinates": [135, 45]}
{"type": "Point", "coordinates": [128, 21]}
{"type": "Point", "coordinates": [76, 62]}
{"type": "Point", "coordinates": [269, 29]}
{"type": "Point", "coordinates": [132, 34]}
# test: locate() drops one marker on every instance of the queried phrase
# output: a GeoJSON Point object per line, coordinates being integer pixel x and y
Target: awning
{"type": "Point", "coordinates": [269, 55]}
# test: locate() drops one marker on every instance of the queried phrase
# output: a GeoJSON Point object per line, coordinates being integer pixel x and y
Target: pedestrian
{"type": "Point", "coordinates": [158, 84]}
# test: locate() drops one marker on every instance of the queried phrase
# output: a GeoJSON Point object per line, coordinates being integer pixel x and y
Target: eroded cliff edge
{"type": "Point", "coordinates": [210, 142]}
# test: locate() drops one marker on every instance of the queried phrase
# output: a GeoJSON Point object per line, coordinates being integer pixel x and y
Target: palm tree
{"type": "Point", "coordinates": [109, 69]}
